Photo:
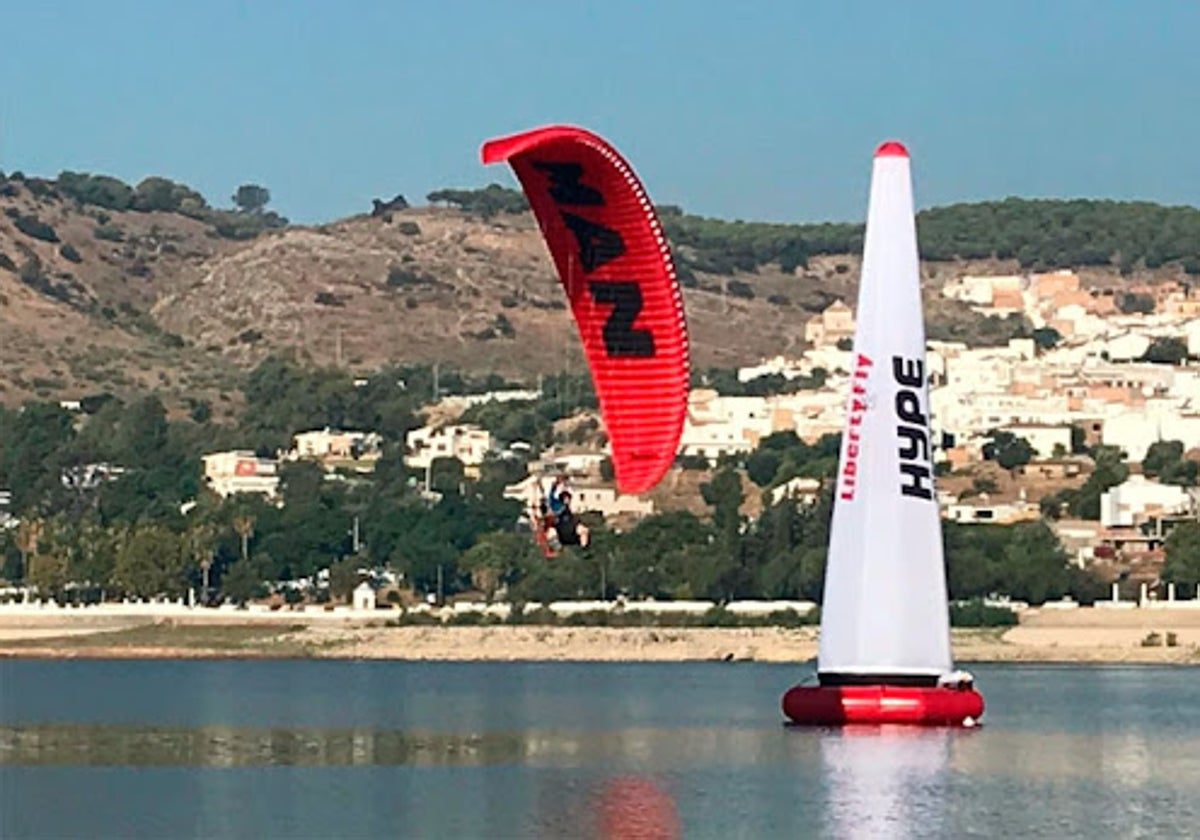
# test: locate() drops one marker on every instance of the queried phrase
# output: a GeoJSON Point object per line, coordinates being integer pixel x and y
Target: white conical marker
{"type": "Point", "coordinates": [885, 611]}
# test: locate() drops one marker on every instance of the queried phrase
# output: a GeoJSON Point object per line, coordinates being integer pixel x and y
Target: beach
{"type": "Point", "coordinates": [1153, 634]}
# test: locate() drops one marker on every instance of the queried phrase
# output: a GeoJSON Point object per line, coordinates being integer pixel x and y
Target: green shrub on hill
{"type": "Point", "coordinates": [1039, 234]}
{"type": "Point", "coordinates": [35, 227]}
{"type": "Point", "coordinates": [108, 232]}
{"type": "Point", "coordinates": [97, 190]}
{"type": "Point", "coordinates": [486, 202]}
{"type": "Point", "coordinates": [163, 194]}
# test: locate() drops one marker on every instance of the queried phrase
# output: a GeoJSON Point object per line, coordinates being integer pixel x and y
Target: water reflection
{"type": "Point", "coordinates": [631, 807]}
{"type": "Point", "coordinates": [883, 782]}
{"type": "Point", "coordinates": [227, 746]}
{"type": "Point", "coordinates": [230, 746]}
{"type": "Point", "coordinates": [1124, 759]}
{"type": "Point", "coordinates": [872, 765]}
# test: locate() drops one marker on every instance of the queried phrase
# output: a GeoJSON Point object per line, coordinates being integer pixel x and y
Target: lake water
{"type": "Point", "coordinates": [562, 750]}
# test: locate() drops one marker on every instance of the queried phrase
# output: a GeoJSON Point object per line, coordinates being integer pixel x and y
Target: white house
{"type": "Point", "coordinates": [576, 464]}
{"type": "Point", "coordinates": [802, 489]}
{"type": "Point", "coordinates": [1132, 431]}
{"type": "Point", "coordinates": [456, 404]}
{"type": "Point", "coordinates": [1127, 348]}
{"type": "Point", "coordinates": [1191, 331]}
{"type": "Point", "coordinates": [1000, 294]}
{"type": "Point", "coordinates": [363, 597]}
{"type": "Point", "coordinates": [983, 367]}
{"type": "Point", "coordinates": [468, 443]}
{"type": "Point", "coordinates": [717, 424]}
{"type": "Point", "coordinates": [778, 366]}
{"type": "Point", "coordinates": [333, 444]}
{"type": "Point", "coordinates": [240, 471]}
{"type": "Point", "coordinates": [89, 476]}
{"type": "Point", "coordinates": [835, 323]}
{"type": "Point", "coordinates": [1136, 429]}
{"type": "Point", "coordinates": [606, 501]}
{"type": "Point", "coordinates": [1138, 497]}
{"type": "Point", "coordinates": [1079, 537]}
{"type": "Point", "coordinates": [958, 410]}
{"type": "Point", "coordinates": [994, 513]}
{"type": "Point", "coordinates": [1048, 441]}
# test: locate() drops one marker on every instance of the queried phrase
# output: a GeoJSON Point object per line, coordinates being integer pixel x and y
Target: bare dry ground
{"type": "Point", "coordinates": [132, 301]}
{"type": "Point", "coordinates": [1084, 635]}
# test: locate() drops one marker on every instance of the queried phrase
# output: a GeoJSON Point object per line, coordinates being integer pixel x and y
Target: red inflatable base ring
{"type": "Point", "coordinates": [835, 705]}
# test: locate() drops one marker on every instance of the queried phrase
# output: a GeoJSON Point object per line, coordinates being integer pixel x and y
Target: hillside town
{"type": "Point", "coordinates": [1089, 377]}
{"type": "Point", "coordinates": [1091, 424]}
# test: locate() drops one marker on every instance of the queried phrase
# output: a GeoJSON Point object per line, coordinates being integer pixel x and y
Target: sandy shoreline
{"type": "Point", "coordinates": [1084, 635]}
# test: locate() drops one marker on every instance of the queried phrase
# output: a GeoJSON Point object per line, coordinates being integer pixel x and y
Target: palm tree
{"type": "Point", "coordinates": [244, 525]}
{"type": "Point", "coordinates": [29, 534]}
{"type": "Point", "coordinates": [199, 546]}
{"type": "Point", "coordinates": [44, 551]}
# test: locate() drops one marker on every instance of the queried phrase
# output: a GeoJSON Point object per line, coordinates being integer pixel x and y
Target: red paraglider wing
{"type": "Point", "coordinates": [615, 265]}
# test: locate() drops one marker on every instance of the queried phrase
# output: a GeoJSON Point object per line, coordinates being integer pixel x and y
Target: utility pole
{"type": "Point", "coordinates": [355, 541]}
{"type": "Point", "coordinates": [440, 599]}
{"type": "Point", "coordinates": [435, 381]}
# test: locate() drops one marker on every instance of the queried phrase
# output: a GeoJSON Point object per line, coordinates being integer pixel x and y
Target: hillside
{"type": "Point", "coordinates": [96, 298]}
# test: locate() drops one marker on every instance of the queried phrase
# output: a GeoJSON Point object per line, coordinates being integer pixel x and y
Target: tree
{"type": "Point", "coordinates": [1008, 450]}
{"type": "Point", "coordinates": [1078, 440]}
{"type": "Point", "coordinates": [150, 563]}
{"type": "Point", "coordinates": [1110, 470]}
{"type": "Point", "coordinates": [1046, 337]}
{"type": "Point", "coordinates": [1182, 473]}
{"type": "Point", "coordinates": [724, 494]}
{"type": "Point", "coordinates": [656, 556]}
{"type": "Point", "coordinates": [1167, 350]}
{"type": "Point", "coordinates": [344, 576]}
{"type": "Point", "coordinates": [1133, 303]}
{"type": "Point", "coordinates": [1182, 565]}
{"type": "Point", "coordinates": [1051, 505]}
{"type": "Point", "coordinates": [1164, 460]}
{"type": "Point", "coordinates": [762, 465]}
{"type": "Point", "coordinates": [497, 558]}
{"type": "Point", "coordinates": [33, 453]}
{"type": "Point", "coordinates": [47, 565]}
{"type": "Point", "coordinates": [1034, 564]}
{"type": "Point", "coordinates": [970, 565]}
{"type": "Point", "coordinates": [421, 559]}
{"type": "Point", "coordinates": [155, 193]}
{"type": "Point", "coordinates": [251, 198]}
{"type": "Point", "coordinates": [1161, 454]}
{"type": "Point", "coordinates": [94, 551]}
{"type": "Point", "coordinates": [446, 475]}
{"type": "Point", "coordinates": [487, 202]}
{"type": "Point", "coordinates": [142, 433]}
{"type": "Point", "coordinates": [241, 582]}
{"type": "Point", "coordinates": [47, 572]}
{"type": "Point", "coordinates": [100, 190]}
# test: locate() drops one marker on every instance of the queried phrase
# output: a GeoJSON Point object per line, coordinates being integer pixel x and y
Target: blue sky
{"type": "Point", "coordinates": [754, 110]}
